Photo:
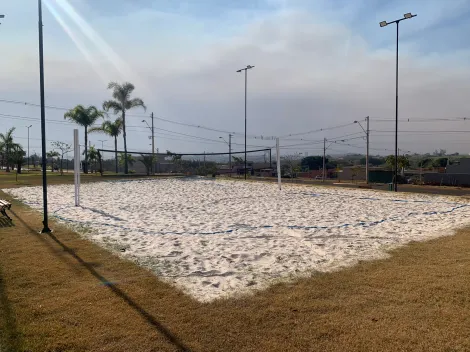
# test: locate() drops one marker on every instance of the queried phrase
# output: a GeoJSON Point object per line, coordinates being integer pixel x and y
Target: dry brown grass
{"type": "Point", "coordinates": [11, 180]}
{"type": "Point", "coordinates": [63, 293]}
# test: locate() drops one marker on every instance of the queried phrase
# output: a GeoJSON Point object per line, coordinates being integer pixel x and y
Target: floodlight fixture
{"type": "Point", "coordinates": [383, 23]}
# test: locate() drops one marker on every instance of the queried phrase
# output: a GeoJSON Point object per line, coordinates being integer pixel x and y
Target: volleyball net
{"type": "Point", "coordinates": [231, 163]}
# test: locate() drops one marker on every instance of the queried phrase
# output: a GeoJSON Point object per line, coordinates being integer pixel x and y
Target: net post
{"type": "Point", "coordinates": [278, 162]}
{"type": "Point", "coordinates": [76, 168]}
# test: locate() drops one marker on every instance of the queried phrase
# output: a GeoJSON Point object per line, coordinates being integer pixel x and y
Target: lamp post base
{"type": "Point", "coordinates": [45, 229]}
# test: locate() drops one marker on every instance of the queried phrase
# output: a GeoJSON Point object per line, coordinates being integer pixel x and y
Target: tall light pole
{"type": "Point", "coordinates": [367, 146]}
{"type": "Point", "coordinates": [153, 141]}
{"type": "Point", "coordinates": [229, 151]}
{"type": "Point", "coordinates": [248, 67]}
{"type": "Point", "coordinates": [383, 24]}
{"type": "Point", "coordinates": [28, 127]}
{"type": "Point", "coordinates": [45, 228]}
{"type": "Point", "coordinates": [102, 142]}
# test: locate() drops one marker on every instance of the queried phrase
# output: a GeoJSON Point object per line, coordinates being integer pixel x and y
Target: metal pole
{"type": "Point", "coordinates": [246, 78]}
{"type": "Point", "coordinates": [153, 148]}
{"type": "Point", "coordinates": [28, 147]}
{"type": "Point", "coordinates": [278, 163]}
{"type": "Point", "coordinates": [230, 152]}
{"type": "Point", "coordinates": [367, 151]}
{"type": "Point", "coordinates": [324, 152]}
{"type": "Point", "coordinates": [270, 160]}
{"type": "Point", "coordinates": [396, 120]}
{"type": "Point", "coordinates": [46, 228]}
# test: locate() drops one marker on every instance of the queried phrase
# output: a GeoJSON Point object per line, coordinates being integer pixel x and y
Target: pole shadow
{"type": "Point", "coordinates": [159, 327]}
{"type": "Point", "coordinates": [5, 222]}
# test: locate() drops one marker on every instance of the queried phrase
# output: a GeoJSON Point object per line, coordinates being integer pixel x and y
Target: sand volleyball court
{"type": "Point", "coordinates": [215, 239]}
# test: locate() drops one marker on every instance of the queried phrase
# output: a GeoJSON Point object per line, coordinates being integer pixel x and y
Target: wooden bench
{"type": "Point", "coordinates": [4, 205]}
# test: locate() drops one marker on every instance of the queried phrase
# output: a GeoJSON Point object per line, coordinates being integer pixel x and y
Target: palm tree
{"type": "Point", "coordinates": [7, 145]}
{"type": "Point", "coordinates": [94, 156]}
{"type": "Point", "coordinates": [148, 161]}
{"type": "Point", "coordinates": [112, 129]}
{"type": "Point", "coordinates": [121, 103]}
{"type": "Point", "coordinates": [84, 117]}
{"type": "Point", "coordinates": [17, 155]}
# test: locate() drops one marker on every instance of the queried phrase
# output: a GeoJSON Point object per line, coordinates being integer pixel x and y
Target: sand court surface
{"type": "Point", "coordinates": [216, 239]}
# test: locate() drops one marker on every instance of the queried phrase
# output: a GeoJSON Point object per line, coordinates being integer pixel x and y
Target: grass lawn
{"type": "Point", "coordinates": [60, 292]}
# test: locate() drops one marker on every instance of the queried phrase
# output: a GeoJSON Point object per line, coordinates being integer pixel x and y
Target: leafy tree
{"type": "Point", "coordinates": [121, 103]}
{"type": "Point", "coordinates": [7, 145]}
{"type": "Point", "coordinates": [374, 161]}
{"type": "Point", "coordinates": [84, 117]}
{"type": "Point", "coordinates": [313, 162]}
{"type": "Point", "coordinates": [112, 129]}
{"type": "Point", "coordinates": [122, 159]}
{"type": "Point", "coordinates": [290, 163]}
{"type": "Point", "coordinates": [177, 160]}
{"type": "Point", "coordinates": [439, 162]}
{"type": "Point", "coordinates": [441, 152]}
{"type": "Point", "coordinates": [403, 161]}
{"type": "Point", "coordinates": [64, 149]}
{"type": "Point", "coordinates": [34, 158]}
{"type": "Point", "coordinates": [51, 155]}
{"type": "Point", "coordinates": [238, 160]}
{"type": "Point", "coordinates": [355, 171]}
{"type": "Point", "coordinates": [425, 162]}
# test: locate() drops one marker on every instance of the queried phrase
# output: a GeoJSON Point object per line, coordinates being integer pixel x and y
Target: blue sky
{"type": "Point", "coordinates": [319, 63]}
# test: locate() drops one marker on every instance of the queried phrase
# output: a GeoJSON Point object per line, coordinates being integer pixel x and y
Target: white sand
{"type": "Point", "coordinates": [219, 238]}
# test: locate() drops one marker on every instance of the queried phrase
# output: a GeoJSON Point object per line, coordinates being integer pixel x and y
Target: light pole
{"type": "Point", "coordinates": [46, 228]}
{"type": "Point", "coordinates": [229, 151]}
{"type": "Point", "coordinates": [383, 24]}
{"type": "Point", "coordinates": [102, 142]}
{"type": "Point", "coordinates": [153, 142]}
{"type": "Point", "coordinates": [28, 127]}
{"type": "Point", "coordinates": [367, 146]}
{"type": "Point", "coordinates": [248, 67]}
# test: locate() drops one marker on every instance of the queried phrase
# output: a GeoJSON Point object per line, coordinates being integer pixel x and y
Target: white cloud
{"type": "Point", "coordinates": [307, 75]}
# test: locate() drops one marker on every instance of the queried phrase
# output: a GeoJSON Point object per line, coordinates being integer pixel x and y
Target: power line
{"type": "Point", "coordinates": [425, 119]}
{"type": "Point", "coordinates": [423, 131]}
{"type": "Point", "coordinates": [317, 130]}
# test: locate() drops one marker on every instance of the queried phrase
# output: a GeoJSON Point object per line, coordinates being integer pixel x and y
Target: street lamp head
{"type": "Point", "coordinates": [249, 67]}
{"type": "Point", "coordinates": [143, 120]}
{"type": "Point", "coordinates": [383, 23]}
{"type": "Point", "coordinates": [408, 15]}
{"type": "Point", "coordinates": [355, 121]}
{"type": "Point", "coordinates": [239, 70]}
{"type": "Point", "coordinates": [2, 16]}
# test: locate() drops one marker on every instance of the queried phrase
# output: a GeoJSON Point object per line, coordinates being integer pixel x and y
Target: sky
{"type": "Point", "coordinates": [319, 64]}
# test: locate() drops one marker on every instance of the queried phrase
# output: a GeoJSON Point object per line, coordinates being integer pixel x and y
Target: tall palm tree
{"type": "Point", "coordinates": [7, 144]}
{"type": "Point", "coordinates": [112, 129]}
{"type": "Point", "coordinates": [121, 103]}
{"type": "Point", "coordinates": [84, 117]}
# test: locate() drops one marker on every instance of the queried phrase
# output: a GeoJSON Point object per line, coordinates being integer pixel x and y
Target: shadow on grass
{"type": "Point", "coordinates": [10, 338]}
{"type": "Point", "coordinates": [5, 222]}
{"type": "Point", "coordinates": [117, 291]}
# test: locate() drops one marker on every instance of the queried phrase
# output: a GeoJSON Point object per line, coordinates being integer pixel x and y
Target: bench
{"type": "Point", "coordinates": [4, 205]}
